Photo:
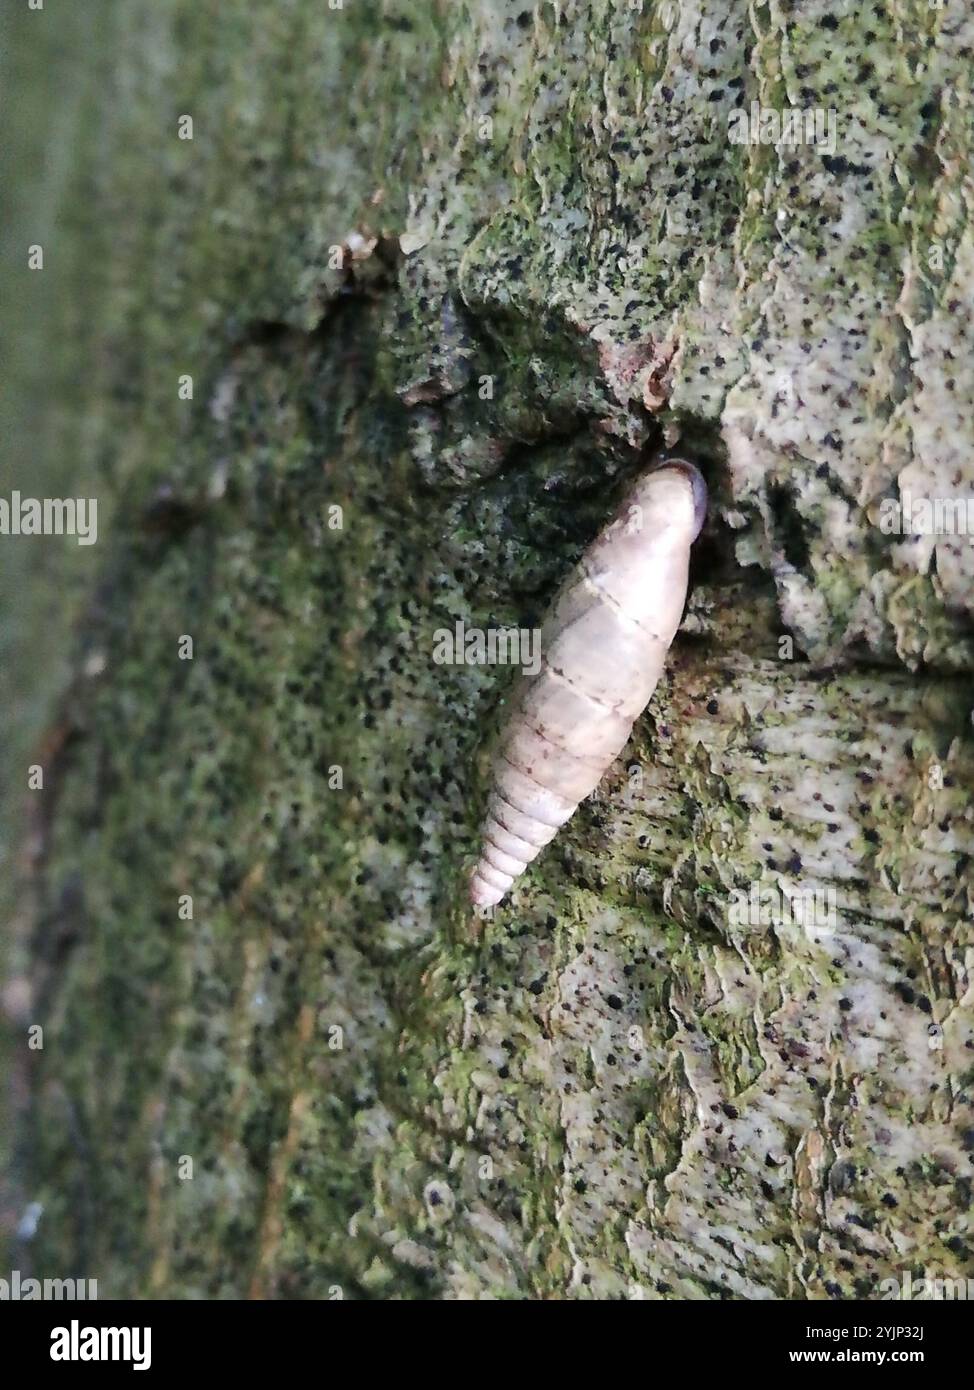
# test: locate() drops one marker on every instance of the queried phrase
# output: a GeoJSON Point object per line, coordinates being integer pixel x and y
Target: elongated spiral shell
{"type": "Point", "coordinates": [603, 646]}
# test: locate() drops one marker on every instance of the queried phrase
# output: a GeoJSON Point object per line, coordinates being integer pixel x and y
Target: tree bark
{"type": "Point", "coordinates": [650, 1074]}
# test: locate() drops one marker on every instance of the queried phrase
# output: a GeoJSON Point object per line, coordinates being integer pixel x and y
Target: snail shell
{"type": "Point", "coordinates": [603, 646]}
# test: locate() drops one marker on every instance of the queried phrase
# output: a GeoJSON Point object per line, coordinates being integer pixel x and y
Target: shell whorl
{"type": "Point", "coordinates": [603, 645]}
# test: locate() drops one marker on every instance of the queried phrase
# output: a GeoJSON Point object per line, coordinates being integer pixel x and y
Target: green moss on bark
{"type": "Point", "coordinates": [616, 1089]}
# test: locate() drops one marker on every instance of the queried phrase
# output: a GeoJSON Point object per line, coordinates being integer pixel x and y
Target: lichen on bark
{"type": "Point", "coordinates": [614, 1089]}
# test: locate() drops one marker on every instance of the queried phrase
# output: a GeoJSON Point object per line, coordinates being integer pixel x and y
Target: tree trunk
{"type": "Point", "coordinates": [444, 277]}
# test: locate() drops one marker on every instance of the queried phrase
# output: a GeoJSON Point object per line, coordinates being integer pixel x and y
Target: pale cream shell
{"type": "Point", "coordinates": [603, 646]}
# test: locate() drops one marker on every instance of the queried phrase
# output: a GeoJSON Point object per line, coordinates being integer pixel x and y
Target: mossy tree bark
{"type": "Point", "coordinates": [555, 260]}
